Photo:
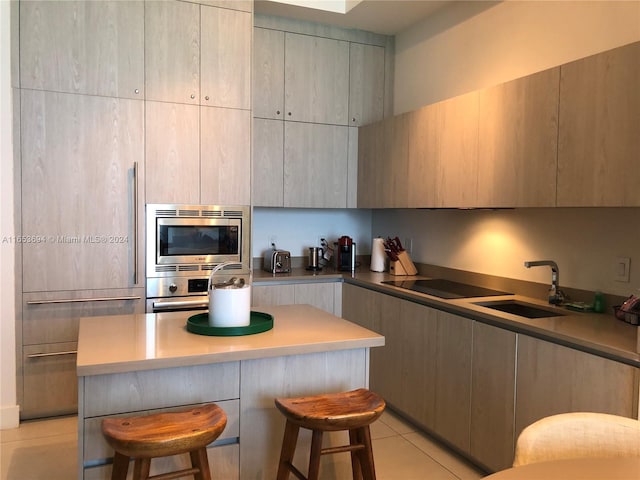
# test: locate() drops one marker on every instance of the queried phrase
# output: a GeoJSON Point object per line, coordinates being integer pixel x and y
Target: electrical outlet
{"type": "Point", "coordinates": [621, 270]}
{"type": "Point", "coordinates": [273, 241]}
{"type": "Point", "coordinates": [319, 241]}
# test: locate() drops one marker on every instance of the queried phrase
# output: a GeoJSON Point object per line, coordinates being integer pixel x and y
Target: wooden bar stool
{"type": "Point", "coordinates": [353, 411]}
{"type": "Point", "coordinates": [161, 435]}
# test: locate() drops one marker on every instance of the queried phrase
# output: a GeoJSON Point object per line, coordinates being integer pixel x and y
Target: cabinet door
{"type": "Point", "coordinates": [49, 380]}
{"type": "Point", "coordinates": [172, 51]}
{"type": "Point", "coordinates": [370, 165]}
{"type": "Point", "coordinates": [225, 58]}
{"type": "Point", "coordinates": [366, 84]}
{"type": "Point", "coordinates": [453, 379]}
{"type": "Point", "coordinates": [268, 73]}
{"type": "Point", "coordinates": [315, 165]}
{"type": "Point", "coordinates": [268, 163]}
{"type": "Point", "coordinates": [598, 137]}
{"type": "Point", "coordinates": [492, 396]}
{"type": "Point", "coordinates": [78, 162]}
{"type": "Point", "coordinates": [319, 295]}
{"type": "Point", "coordinates": [395, 162]}
{"type": "Point", "coordinates": [91, 48]}
{"type": "Point", "coordinates": [172, 153]}
{"type": "Point", "coordinates": [272, 295]}
{"type": "Point", "coordinates": [316, 79]}
{"type": "Point", "coordinates": [518, 133]}
{"type": "Point", "coordinates": [443, 154]}
{"type": "Point", "coordinates": [554, 379]}
{"type": "Point", "coordinates": [225, 156]}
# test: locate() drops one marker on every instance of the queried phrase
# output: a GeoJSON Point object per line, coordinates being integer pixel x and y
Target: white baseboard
{"type": "Point", "coordinates": [9, 417]}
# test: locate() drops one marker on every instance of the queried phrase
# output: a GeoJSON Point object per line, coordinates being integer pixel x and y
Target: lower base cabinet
{"type": "Point", "coordinates": [326, 296]}
{"type": "Point", "coordinates": [476, 386]}
{"type": "Point", "coordinates": [556, 379]}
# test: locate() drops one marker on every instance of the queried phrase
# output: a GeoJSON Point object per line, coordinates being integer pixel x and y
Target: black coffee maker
{"type": "Point", "coordinates": [345, 254]}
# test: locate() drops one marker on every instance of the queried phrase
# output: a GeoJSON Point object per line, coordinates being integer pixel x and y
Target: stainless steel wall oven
{"type": "Point", "coordinates": [184, 243]}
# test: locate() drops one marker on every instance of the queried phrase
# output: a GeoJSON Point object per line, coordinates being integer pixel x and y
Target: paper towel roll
{"type": "Point", "coordinates": [377, 255]}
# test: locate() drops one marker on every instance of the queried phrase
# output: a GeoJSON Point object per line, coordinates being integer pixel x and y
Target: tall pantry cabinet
{"type": "Point", "coordinates": [103, 130]}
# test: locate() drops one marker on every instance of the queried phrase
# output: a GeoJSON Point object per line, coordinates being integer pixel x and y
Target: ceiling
{"type": "Point", "coordinates": [387, 17]}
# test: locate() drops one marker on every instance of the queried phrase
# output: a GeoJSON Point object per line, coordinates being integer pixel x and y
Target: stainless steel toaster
{"type": "Point", "coordinates": [277, 261]}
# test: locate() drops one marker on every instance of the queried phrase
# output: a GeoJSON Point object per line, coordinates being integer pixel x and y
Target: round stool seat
{"type": "Point", "coordinates": [161, 435]}
{"type": "Point", "coordinates": [333, 411]}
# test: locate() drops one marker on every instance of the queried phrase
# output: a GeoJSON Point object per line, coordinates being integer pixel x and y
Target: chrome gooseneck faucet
{"type": "Point", "coordinates": [556, 297]}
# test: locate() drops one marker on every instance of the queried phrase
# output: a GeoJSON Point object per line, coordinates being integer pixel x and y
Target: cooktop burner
{"type": "Point", "coordinates": [439, 287]}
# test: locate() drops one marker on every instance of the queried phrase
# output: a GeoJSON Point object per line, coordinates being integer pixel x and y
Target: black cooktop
{"type": "Point", "coordinates": [439, 287]}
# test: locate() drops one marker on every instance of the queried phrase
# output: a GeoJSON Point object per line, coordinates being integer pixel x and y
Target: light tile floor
{"type": "Point", "coordinates": [46, 450]}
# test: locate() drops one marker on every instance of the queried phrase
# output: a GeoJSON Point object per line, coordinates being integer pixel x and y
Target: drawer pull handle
{"type": "Point", "coordinates": [52, 354]}
{"type": "Point", "coordinates": [81, 300]}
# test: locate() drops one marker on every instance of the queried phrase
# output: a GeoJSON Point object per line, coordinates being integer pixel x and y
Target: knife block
{"type": "Point", "coordinates": [403, 266]}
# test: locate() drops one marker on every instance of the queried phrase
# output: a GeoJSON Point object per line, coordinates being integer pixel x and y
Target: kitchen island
{"type": "Point", "coordinates": [131, 364]}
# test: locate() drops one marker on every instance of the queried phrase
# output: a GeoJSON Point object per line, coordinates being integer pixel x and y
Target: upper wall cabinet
{"type": "Point", "coordinates": [443, 153]}
{"type": "Point", "coordinates": [268, 73]}
{"type": "Point", "coordinates": [197, 54]}
{"type": "Point", "coordinates": [599, 140]}
{"type": "Point", "coordinates": [92, 48]}
{"type": "Point", "coordinates": [316, 79]}
{"type": "Point", "coordinates": [366, 84]}
{"type": "Point", "coordinates": [517, 142]}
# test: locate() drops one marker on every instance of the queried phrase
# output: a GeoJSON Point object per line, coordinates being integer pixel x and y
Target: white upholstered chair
{"type": "Point", "coordinates": [577, 435]}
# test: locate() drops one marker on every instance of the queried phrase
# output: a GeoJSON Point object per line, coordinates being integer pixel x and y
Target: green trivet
{"type": "Point", "coordinates": [259, 322]}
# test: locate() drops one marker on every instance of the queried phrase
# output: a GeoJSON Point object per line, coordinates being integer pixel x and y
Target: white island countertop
{"type": "Point", "coordinates": [125, 343]}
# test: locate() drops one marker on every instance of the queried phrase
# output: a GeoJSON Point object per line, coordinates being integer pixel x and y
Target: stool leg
{"type": "Point", "coordinates": [366, 454]}
{"type": "Point", "coordinates": [356, 469]}
{"type": "Point", "coordinates": [141, 468]}
{"type": "Point", "coordinates": [316, 452]}
{"type": "Point", "coordinates": [200, 461]}
{"type": "Point", "coordinates": [120, 467]}
{"type": "Point", "coordinates": [288, 449]}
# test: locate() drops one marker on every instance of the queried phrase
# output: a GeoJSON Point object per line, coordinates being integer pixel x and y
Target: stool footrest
{"type": "Point", "coordinates": [174, 475]}
{"type": "Point", "coordinates": [344, 448]}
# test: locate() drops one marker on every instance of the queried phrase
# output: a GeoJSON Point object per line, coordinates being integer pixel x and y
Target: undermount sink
{"type": "Point", "coordinates": [521, 309]}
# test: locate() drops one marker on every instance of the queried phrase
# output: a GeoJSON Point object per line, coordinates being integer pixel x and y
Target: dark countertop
{"type": "Point", "coordinates": [598, 333]}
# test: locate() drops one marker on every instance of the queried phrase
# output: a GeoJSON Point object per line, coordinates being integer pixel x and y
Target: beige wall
{"type": "Point", "coordinates": [471, 45]}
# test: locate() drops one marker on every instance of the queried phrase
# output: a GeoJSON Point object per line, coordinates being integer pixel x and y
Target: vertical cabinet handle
{"type": "Point", "coordinates": [135, 223]}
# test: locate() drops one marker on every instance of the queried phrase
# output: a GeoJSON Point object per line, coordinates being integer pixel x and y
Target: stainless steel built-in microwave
{"type": "Point", "coordinates": [183, 240]}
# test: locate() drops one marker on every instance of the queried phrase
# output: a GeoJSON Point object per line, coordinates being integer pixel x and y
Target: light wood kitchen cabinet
{"type": "Point", "coordinates": [82, 161]}
{"type": "Point", "coordinates": [555, 379]}
{"type": "Point", "coordinates": [325, 296]}
{"type": "Point", "coordinates": [49, 380]}
{"type": "Point", "coordinates": [493, 376]}
{"type": "Point", "coordinates": [517, 142]}
{"type": "Point", "coordinates": [172, 138]}
{"type": "Point", "coordinates": [268, 73]}
{"type": "Point", "coordinates": [268, 163]}
{"type": "Point", "coordinates": [383, 163]}
{"type": "Point", "coordinates": [315, 165]}
{"type": "Point", "coordinates": [366, 84]}
{"type": "Point", "coordinates": [90, 48]}
{"type": "Point", "coordinates": [346, 81]}
{"type": "Point", "coordinates": [197, 54]}
{"type": "Point", "coordinates": [49, 335]}
{"type": "Point", "coordinates": [598, 141]}
{"type": "Point", "coordinates": [443, 154]}
{"type": "Point", "coordinates": [225, 156]}
{"type": "Point", "coordinates": [316, 79]}
{"type": "Point", "coordinates": [172, 52]}
{"type": "Point", "coordinates": [453, 378]}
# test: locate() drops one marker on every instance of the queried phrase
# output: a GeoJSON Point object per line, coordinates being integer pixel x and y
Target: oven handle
{"type": "Point", "coordinates": [180, 304]}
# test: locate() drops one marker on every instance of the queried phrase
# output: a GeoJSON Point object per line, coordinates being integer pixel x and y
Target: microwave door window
{"type": "Point", "coordinates": [180, 240]}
